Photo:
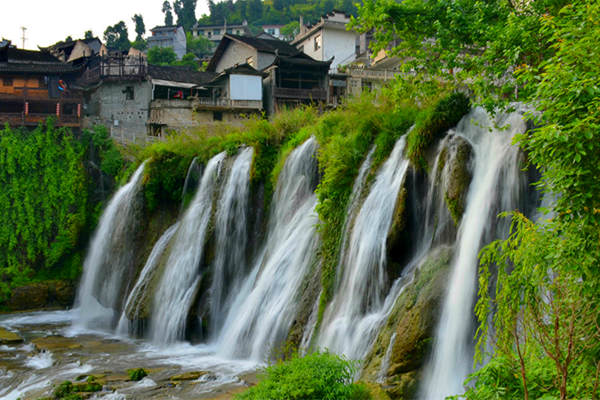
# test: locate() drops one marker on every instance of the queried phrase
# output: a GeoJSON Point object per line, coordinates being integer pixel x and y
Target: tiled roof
{"type": "Point", "coordinates": [29, 61]}
{"type": "Point", "coordinates": [267, 45]}
{"type": "Point", "coordinates": [180, 74]}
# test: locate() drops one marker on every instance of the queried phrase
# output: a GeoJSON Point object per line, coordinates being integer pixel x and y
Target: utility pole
{"type": "Point", "coordinates": [23, 37]}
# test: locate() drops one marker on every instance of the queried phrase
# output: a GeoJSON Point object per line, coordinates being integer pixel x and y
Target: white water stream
{"type": "Point", "coordinates": [109, 257]}
{"type": "Point", "coordinates": [179, 282]}
{"type": "Point", "coordinates": [495, 187]}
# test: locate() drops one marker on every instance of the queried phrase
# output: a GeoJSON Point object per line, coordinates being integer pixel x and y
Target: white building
{"type": "Point", "coordinates": [169, 36]}
{"type": "Point", "coordinates": [329, 39]}
{"type": "Point", "coordinates": [215, 33]}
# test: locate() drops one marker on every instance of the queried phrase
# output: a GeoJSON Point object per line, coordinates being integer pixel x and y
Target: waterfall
{"type": "Point", "coordinates": [359, 305]}
{"type": "Point", "coordinates": [263, 311]}
{"type": "Point", "coordinates": [106, 268]}
{"type": "Point", "coordinates": [495, 187]}
{"type": "Point", "coordinates": [181, 277]}
{"type": "Point", "coordinates": [231, 231]}
{"type": "Point", "coordinates": [138, 297]}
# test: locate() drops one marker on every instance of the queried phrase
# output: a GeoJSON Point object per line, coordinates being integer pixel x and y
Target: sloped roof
{"type": "Point", "coordinates": [30, 61]}
{"type": "Point", "coordinates": [300, 61]}
{"type": "Point", "coordinates": [180, 74]}
{"type": "Point", "coordinates": [273, 46]}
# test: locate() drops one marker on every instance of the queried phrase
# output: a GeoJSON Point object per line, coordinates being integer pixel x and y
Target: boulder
{"type": "Point", "coordinates": [9, 337]}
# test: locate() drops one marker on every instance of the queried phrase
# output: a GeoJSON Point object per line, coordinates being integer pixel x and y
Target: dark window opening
{"type": "Point", "coordinates": [129, 95]}
{"type": "Point", "coordinates": [7, 81]}
{"type": "Point", "coordinates": [12, 107]}
{"type": "Point", "coordinates": [217, 116]}
{"type": "Point", "coordinates": [69, 109]}
{"type": "Point", "coordinates": [42, 108]}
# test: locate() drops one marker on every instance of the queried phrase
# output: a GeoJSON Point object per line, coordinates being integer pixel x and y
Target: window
{"type": "Point", "coordinates": [129, 95]}
{"type": "Point", "coordinates": [318, 42]}
{"type": "Point", "coordinates": [229, 30]}
{"type": "Point", "coordinates": [217, 31]}
{"type": "Point", "coordinates": [271, 31]}
{"type": "Point", "coordinates": [43, 82]}
{"type": "Point", "coordinates": [217, 116]}
{"type": "Point", "coordinates": [7, 81]}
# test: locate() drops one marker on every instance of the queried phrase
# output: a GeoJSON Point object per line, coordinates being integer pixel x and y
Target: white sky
{"type": "Point", "coordinates": [49, 21]}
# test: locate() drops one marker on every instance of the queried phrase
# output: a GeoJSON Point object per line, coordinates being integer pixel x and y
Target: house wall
{"type": "Point", "coordinates": [245, 87]}
{"type": "Point", "coordinates": [80, 50]}
{"type": "Point", "coordinates": [175, 40]}
{"type": "Point", "coordinates": [126, 119]}
{"type": "Point", "coordinates": [308, 46]}
{"type": "Point", "coordinates": [236, 53]}
{"type": "Point", "coordinates": [339, 44]}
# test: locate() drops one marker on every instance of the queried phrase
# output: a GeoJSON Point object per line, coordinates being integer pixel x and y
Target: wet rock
{"type": "Point", "coordinates": [49, 294]}
{"type": "Point", "coordinates": [9, 337]}
{"type": "Point", "coordinates": [455, 165]}
{"type": "Point", "coordinates": [55, 343]}
{"type": "Point", "coordinates": [412, 320]}
{"type": "Point", "coordinates": [188, 376]}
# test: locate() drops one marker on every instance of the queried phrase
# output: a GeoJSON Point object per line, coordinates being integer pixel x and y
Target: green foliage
{"type": "Point", "coordinates": [186, 13]}
{"type": "Point", "coordinates": [167, 10]}
{"type": "Point", "coordinates": [318, 376]}
{"type": "Point", "coordinates": [433, 123]}
{"type": "Point", "coordinates": [137, 374]}
{"type": "Point", "coordinates": [66, 391]}
{"type": "Point", "coordinates": [43, 232]}
{"type": "Point", "coordinates": [258, 12]}
{"type": "Point", "coordinates": [43, 200]}
{"type": "Point", "coordinates": [117, 37]}
{"type": "Point", "coordinates": [169, 159]}
{"type": "Point", "coordinates": [199, 46]}
{"type": "Point", "coordinates": [140, 28]}
{"type": "Point", "coordinates": [161, 56]}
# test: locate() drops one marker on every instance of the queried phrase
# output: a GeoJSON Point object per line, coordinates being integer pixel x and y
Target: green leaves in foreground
{"type": "Point", "coordinates": [317, 376]}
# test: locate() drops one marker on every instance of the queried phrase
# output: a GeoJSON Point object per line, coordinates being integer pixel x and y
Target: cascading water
{"type": "Point", "coordinates": [359, 305]}
{"type": "Point", "coordinates": [181, 277]}
{"type": "Point", "coordinates": [109, 258]}
{"type": "Point", "coordinates": [137, 298]}
{"type": "Point", "coordinates": [231, 231]}
{"type": "Point", "coordinates": [496, 186]}
{"type": "Point", "coordinates": [263, 311]}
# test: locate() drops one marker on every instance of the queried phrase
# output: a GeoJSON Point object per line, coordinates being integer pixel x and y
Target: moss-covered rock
{"type": "Point", "coordinates": [188, 376]}
{"type": "Point", "coordinates": [9, 337]}
{"type": "Point", "coordinates": [40, 295]}
{"type": "Point", "coordinates": [455, 164]}
{"type": "Point", "coordinates": [411, 323]}
{"type": "Point", "coordinates": [432, 124]}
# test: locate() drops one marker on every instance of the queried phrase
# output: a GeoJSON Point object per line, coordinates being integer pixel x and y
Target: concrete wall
{"type": "Point", "coordinates": [339, 44]}
{"type": "Point", "coordinates": [126, 119]}
{"type": "Point", "coordinates": [175, 40]}
{"type": "Point", "coordinates": [236, 53]}
{"type": "Point", "coordinates": [308, 46]}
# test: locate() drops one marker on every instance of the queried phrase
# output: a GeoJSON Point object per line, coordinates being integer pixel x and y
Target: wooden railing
{"type": "Point", "coordinates": [301, 94]}
{"type": "Point", "coordinates": [32, 119]}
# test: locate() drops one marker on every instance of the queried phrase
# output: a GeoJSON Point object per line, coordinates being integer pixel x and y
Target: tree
{"type": "Point", "coordinates": [68, 39]}
{"type": "Point", "coordinates": [116, 37]}
{"type": "Point", "coordinates": [290, 30]}
{"type": "Point", "coordinates": [166, 9]}
{"type": "Point", "coordinates": [140, 28]}
{"type": "Point", "coordinates": [88, 35]}
{"type": "Point", "coordinates": [199, 46]}
{"type": "Point", "coordinates": [254, 9]}
{"type": "Point", "coordinates": [189, 60]}
{"type": "Point", "coordinates": [186, 13]}
{"type": "Point", "coordinates": [161, 56]}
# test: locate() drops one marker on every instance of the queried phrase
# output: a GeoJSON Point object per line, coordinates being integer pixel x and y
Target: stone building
{"type": "Point", "coordinates": [169, 36]}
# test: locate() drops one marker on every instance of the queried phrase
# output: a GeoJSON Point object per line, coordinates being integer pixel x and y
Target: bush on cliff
{"type": "Point", "coordinates": [318, 376]}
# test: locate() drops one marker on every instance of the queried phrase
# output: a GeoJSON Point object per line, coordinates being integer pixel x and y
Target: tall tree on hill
{"type": "Point", "coordinates": [186, 13]}
{"type": "Point", "coordinates": [116, 37]}
{"type": "Point", "coordinates": [166, 9]}
{"type": "Point", "coordinates": [254, 9]}
{"type": "Point", "coordinates": [140, 28]}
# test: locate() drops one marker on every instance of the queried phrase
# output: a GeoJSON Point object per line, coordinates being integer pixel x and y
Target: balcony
{"type": "Point", "coordinates": [20, 119]}
{"type": "Point", "coordinates": [316, 94]}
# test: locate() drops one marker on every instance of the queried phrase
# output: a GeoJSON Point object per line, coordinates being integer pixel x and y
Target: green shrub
{"type": "Point", "coordinates": [137, 374]}
{"type": "Point", "coordinates": [317, 376]}
{"type": "Point", "coordinates": [432, 123]}
{"type": "Point", "coordinates": [66, 391]}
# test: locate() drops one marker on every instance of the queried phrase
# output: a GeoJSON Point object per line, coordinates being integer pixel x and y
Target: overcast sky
{"type": "Point", "coordinates": [49, 21]}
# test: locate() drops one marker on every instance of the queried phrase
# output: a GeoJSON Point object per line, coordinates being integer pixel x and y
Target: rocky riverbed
{"type": "Point", "coordinates": [40, 350]}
